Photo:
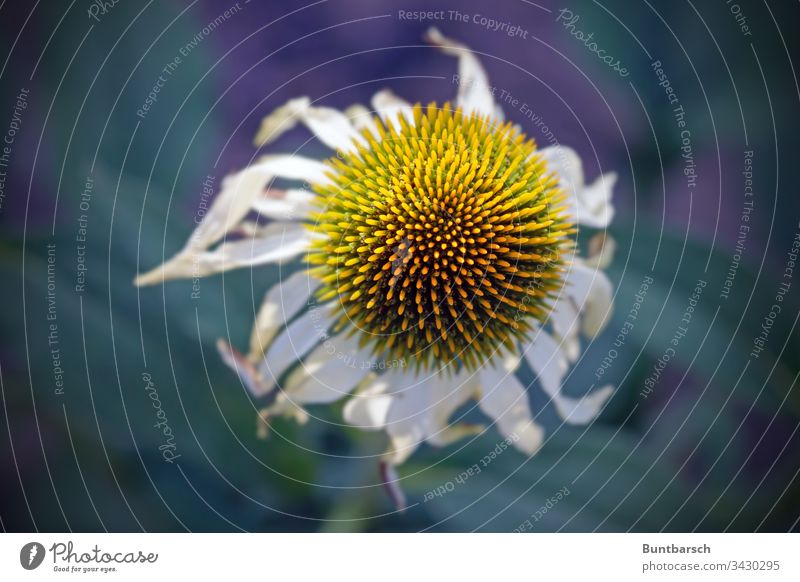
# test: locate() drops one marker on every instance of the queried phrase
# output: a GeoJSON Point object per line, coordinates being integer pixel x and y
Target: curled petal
{"type": "Point", "coordinates": [474, 92]}
{"type": "Point", "coordinates": [585, 302]}
{"type": "Point", "coordinates": [368, 408]}
{"type": "Point", "coordinates": [293, 204]}
{"type": "Point", "coordinates": [239, 192]}
{"type": "Point", "coordinates": [390, 107]}
{"type": "Point", "coordinates": [583, 410]}
{"type": "Point", "coordinates": [332, 370]}
{"type": "Point", "coordinates": [592, 292]}
{"type": "Point", "coordinates": [548, 361]}
{"type": "Point", "coordinates": [282, 302]}
{"type": "Point", "coordinates": [294, 342]}
{"type": "Point", "coordinates": [591, 205]}
{"type": "Point", "coordinates": [330, 126]}
{"type": "Point", "coordinates": [449, 393]}
{"type": "Point", "coordinates": [361, 118]}
{"type": "Point", "coordinates": [596, 200]}
{"type": "Point", "coordinates": [421, 409]}
{"type": "Point", "coordinates": [279, 242]}
{"type": "Point", "coordinates": [504, 399]}
{"type": "Point", "coordinates": [248, 374]}
{"type": "Point", "coordinates": [550, 364]}
{"type": "Point", "coordinates": [409, 421]}
{"type": "Point", "coordinates": [392, 483]}
{"type": "Point", "coordinates": [602, 248]}
{"type": "Point", "coordinates": [565, 320]}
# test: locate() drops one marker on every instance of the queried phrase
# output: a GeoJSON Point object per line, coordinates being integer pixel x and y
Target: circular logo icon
{"type": "Point", "coordinates": [31, 555]}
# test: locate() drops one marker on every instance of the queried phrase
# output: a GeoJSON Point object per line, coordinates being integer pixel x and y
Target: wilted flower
{"type": "Point", "coordinates": [437, 253]}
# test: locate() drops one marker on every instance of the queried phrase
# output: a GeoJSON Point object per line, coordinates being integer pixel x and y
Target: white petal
{"type": "Point", "coordinates": [567, 165]}
{"type": "Point", "coordinates": [582, 410]}
{"type": "Point", "coordinates": [408, 422]}
{"type": "Point", "coordinates": [294, 342]}
{"type": "Point", "coordinates": [504, 399]}
{"type": "Point", "coordinates": [358, 115]}
{"type": "Point", "coordinates": [565, 319]}
{"type": "Point", "coordinates": [280, 304]}
{"type": "Point", "coordinates": [449, 393]}
{"type": "Point", "coordinates": [421, 408]}
{"type": "Point", "coordinates": [602, 248]}
{"type": "Point", "coordinates": [368, 409]}
{"type": "Point", "coordinates": [332, 127]}
{"type": "Point", "coordinates": [592, 292]}
{"type": "Point", "coordinates": [548, 361]}
{"type": "Point", "coordinates": [362, 118]}
{"type": "Point", "coordinates": [178, 267]}
{"type": "Point", "coordinates": [244, 368]}
{"type": "Point", "coordinates": [431, 398]}
{"type": "Point", "coordinates": [390, 108]}
{"type": "Point", "coordinates": [330, 372]}
{"type": "Point", "coordinates": [279, 242]}
{"type": "Point", "coordinates": [591, 205]}
{"type": "Point", "coordinates": [239, 191]}
{"type": "Point", "coordinates": [293, 168]}
{"type": "Point", "coordinates": [474, 92]}
{"type": "Point", "coordinates": [404, 441]}
{"type": "Point", "coordinates": [292, 204]}
{"type": "Point", "coordinates": [596, 200]}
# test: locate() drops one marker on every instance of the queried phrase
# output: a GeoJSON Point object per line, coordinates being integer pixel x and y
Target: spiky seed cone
{"type": "Point", "coordinates": [442, 240]}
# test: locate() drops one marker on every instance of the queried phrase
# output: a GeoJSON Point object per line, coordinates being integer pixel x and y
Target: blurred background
{"type": "Point", "coordinates": [93, 192]}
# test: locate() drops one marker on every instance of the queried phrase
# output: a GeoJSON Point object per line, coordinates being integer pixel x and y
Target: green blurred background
{"type": "Point", "coordinates": [713, 448]}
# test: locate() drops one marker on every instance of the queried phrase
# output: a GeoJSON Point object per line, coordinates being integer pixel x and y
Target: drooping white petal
{"type": "Point", "coordinates": [281, 303]}
{"type": "Point", "coordinates": [566, 163]}
{"type": "Point", "coordinates": [504, 399]}
{"type": "Point", "coordinates": [390, 108]}
{"type": "Point", "coordinates": [294, 342]}
{"type": "Point", "coordinates": [590, 205]}
{"type": "Point", "coordinates": [292, 204]}
{"type": "Point", "coordinates": [331, 371]}
{"type": "Point", "coordinates": [592, 292]}
{"type": "Point", "coordinates": [239, 191]}
{"type": "Point", "coordinates": [283, 243]}
{"type": "Point", "coordinates": [243, 368]}
{"type": "Point", "coordinates": [547, 359]}
{"type": "Point", "coordinates": [583, 410]}
{"type": "Point", "coordinates": [368, 408]}
{"type": "Point", "coordinates": [405, 439]}
{"type": "Point", "coordinates": [330, 126]}
{"type": "Point", "coordinates": [362, 118]}
{"type": "Point", "coordinates": [474, 91]}
{"type": "Point", "coordinates": [602, 248]}
{"type": "Point", "coordinates": [391, 482]}
{"type": "Point", "coordinates": [408, 422]}
{"type": "Point", "coordinates": [293, 168]}
{"type": "Point", "coordinates": [448, 395]}
{"type": "Point", "coordinates": [596, 200]}
{"type": "Point", "coordinates": [413, 408]}
{"type": "Point", "coordinates": [565, 319]}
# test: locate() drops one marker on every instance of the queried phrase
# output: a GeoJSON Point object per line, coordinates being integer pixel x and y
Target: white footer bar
{"type": "Point", "coordinates": [401, 557]}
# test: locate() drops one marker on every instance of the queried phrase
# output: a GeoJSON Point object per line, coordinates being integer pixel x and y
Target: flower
{"type": "Point", "coordinates": [436, 255]}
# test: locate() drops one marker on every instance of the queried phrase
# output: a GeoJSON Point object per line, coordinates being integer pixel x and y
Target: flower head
{"type": "Point", "coordinates": [439, 233]}
{"type": "Point", "coordinates": [437, 254]}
